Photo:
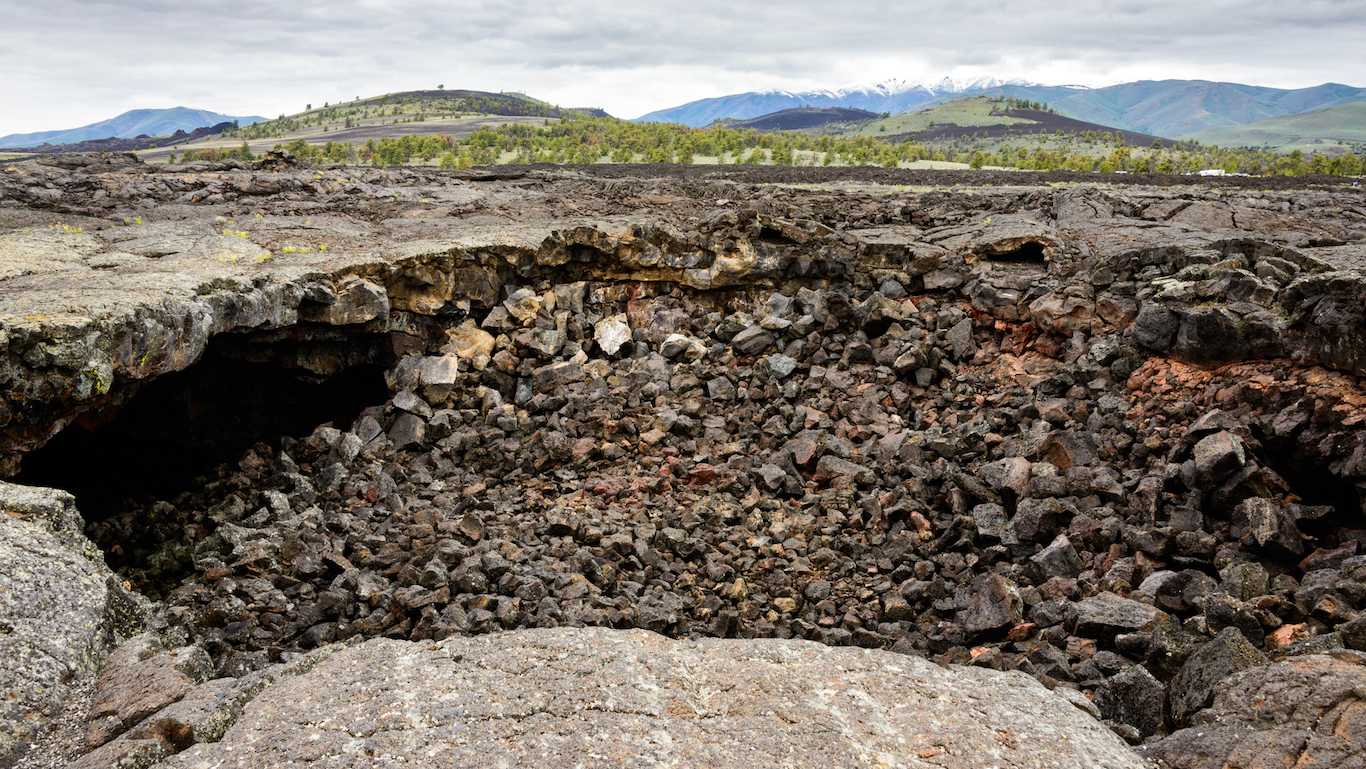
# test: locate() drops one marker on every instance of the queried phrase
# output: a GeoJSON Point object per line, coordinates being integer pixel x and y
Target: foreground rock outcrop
{"type": "Point", "coordinates": [1110, 438]}
{"type": "Point", "coordinates": [598, 697]}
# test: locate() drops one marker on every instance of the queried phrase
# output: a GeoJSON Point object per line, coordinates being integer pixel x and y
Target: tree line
{"type": "Point", "coordinates": [583, 139]}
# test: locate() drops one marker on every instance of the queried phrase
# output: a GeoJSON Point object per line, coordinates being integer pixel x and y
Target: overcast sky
{"type": "Point", "coordinates": [66, 63]}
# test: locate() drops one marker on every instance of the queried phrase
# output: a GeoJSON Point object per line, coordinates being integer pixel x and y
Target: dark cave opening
{"type": "Point", "coordinates": [1318, 487]}
{"type": "Point", "coordinates": [182, 425]}
{"type": "Point", "coordinates": [876, 327]}
{"type": "Point", "coordinates": [1029, 252]}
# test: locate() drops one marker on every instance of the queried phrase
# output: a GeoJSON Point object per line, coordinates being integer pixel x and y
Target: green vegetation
{"type": "Point", "coordinates": [214, 154]}
{"type": "Point", "coordinates": [594, 140]}
{"type": "Point", "coordinates": [588, 140]}
{"type": "Point", "coordinates": [385, 152]}
{"type": "Point", "coordinates": [1107, 153]}
{"type": "Point", "coordinates": [550, 135]}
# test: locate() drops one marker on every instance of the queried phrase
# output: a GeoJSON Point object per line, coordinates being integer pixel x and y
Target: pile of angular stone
{"type": "Point", "coordinates": [856, 468]}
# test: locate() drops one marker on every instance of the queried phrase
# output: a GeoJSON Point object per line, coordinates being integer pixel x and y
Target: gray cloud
{"type": "Point", "coordinates": [69, 62]}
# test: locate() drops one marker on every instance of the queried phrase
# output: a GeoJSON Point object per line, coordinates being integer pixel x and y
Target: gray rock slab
{"type": "Point", "coordinates": [1263, 524]}
{"type": "Point", "coordinates": [1218, 455]}
{"type": "Point", "coordinates": [597, 697]}
{"type": "Point", "coordinates": [55, 613]}
{"type": "Point", "coordinates": [996, 605]}
{"type": "Point", "coordinates": [203, 715]}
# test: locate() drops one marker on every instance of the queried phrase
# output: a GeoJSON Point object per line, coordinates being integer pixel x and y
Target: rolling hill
{"type": "Point", "coordinates": [450, 113]}
{"type": "Point", "coordinates": [1156, 107]}
{"type": "Point", "coordinates": [138, 122]}
{"type": "Point", "coordinates": [1308, 131]}
{"type": "Point", "coordinates": [499, 103]}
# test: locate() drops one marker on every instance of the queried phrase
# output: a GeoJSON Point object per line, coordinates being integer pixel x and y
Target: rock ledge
{"type": "Point", "coordinates": [602, 697]}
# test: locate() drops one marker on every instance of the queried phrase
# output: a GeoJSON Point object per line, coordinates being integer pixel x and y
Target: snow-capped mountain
{"type": "Point", "coordinates": [892, 95]}
{"type": "Point", "coordinates": [1159, 107]}
{"type": "Point", "coordinates": [947, 85]}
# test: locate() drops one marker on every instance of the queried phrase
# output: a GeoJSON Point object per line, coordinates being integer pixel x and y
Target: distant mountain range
{"type": "Point", "coordinates": [1158, 107]}
{"type": "Point", "coordinates": [894, 96]}
{"type": "Point", "coordinates": [138, 122]}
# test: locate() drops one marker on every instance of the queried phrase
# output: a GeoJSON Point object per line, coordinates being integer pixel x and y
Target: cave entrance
{"type": "Point", "coordinates": [182, 425]}
{"type": "Point", "coordinates": [1029, 252]}
{"type": "Point", "coordinates": [1317, 486]}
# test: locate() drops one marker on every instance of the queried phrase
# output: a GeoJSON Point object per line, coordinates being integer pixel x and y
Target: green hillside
{"type": "Point", "coordinates": [1177, 107]}
{"type": "Point", "coordinates": [1317, 131]}
{"type": "Point", "coordinates": [969, 112]}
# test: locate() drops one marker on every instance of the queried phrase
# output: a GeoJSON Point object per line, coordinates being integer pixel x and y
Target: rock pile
{"type": "Point", "coordinates": [780, 473]}
{"type": "Point", "coordinates": [972, 427]}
